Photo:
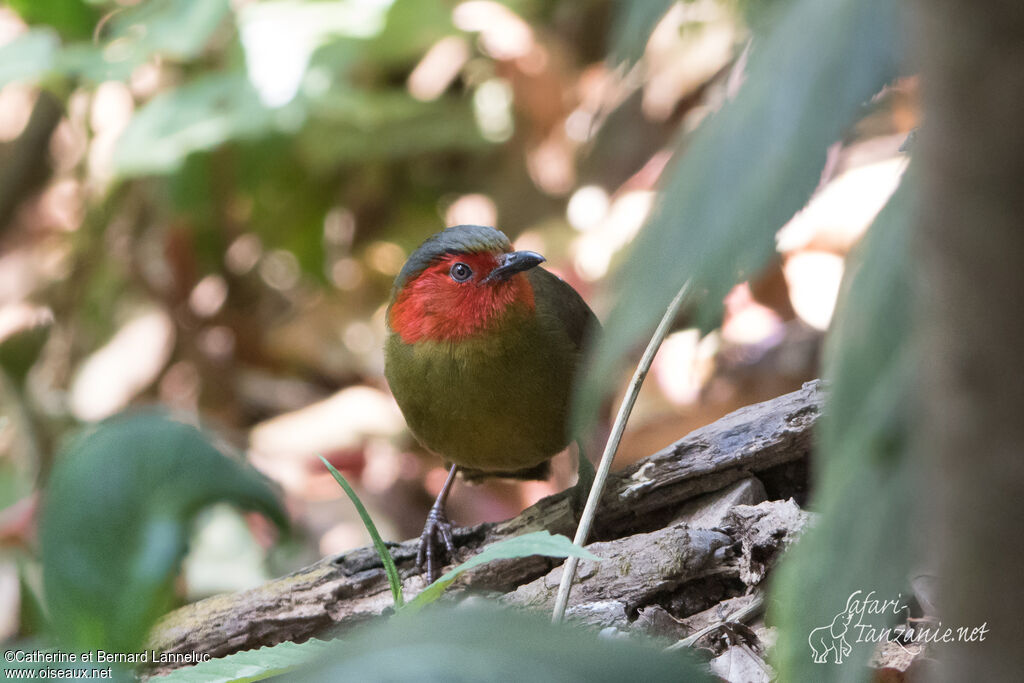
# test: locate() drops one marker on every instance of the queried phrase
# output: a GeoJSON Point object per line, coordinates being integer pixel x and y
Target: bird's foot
{"type": "Point", "coordinates": [435, 543]}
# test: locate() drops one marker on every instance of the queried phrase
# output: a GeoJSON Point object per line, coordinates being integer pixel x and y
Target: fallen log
{"type": "Point", "coordinates": [642, 514]}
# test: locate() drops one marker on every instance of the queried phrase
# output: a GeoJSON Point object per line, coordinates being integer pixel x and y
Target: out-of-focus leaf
{"type": "Point", "coordinates": [253, 665]}
{"type": "Point", "coordinates": [280, 37]}
{"type": "Point", "coordinates": [23, 332]}
{"type": "Point", "coordinates": [749, 168]}
{"type": "Point", "coordinates": [200, 115]}
{"type": "Point", "coordinates": [176, 29]}
{"type": "Point", "coordinates": [633, 26]}
{"type": "Point", "coordinates": [484, 643]}
{"type": "Point", "coordinates": [394, 580]}
{"type": "Point", "coordinates": [289, 201]}
{"type": "Point", "coordinates": [865, 490]}
{"type": "Point", "coordinates": [362, 126]}
{"type": "Point", "coordinates": [411, 27]}
{"type": "Point", "coordinates": [29, 56]}
{"type": "Point", "coordinates": [527, 545]}
{"type": "Point", "coordinates": [73, 19]}
{"type": "Point", "coordinates": [115, 522]}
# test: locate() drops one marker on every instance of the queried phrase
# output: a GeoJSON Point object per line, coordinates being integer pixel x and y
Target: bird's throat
{"type": "Point", "coordinates": [430, 309]}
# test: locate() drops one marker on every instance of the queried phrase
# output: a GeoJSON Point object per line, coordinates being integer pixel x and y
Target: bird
{"type": "Point", "coordinates": [482, 350]}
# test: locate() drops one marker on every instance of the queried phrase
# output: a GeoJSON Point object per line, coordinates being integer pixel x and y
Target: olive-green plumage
{"type": "Point", "coordinates": [497, 401]}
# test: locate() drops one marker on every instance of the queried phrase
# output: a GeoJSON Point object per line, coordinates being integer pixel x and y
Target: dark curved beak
{"type": "Point", "coordinates": [511, 263]}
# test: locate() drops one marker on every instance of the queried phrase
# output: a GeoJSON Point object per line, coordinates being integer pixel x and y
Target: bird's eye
{"type": "Point", "coordinates": [460, 272]}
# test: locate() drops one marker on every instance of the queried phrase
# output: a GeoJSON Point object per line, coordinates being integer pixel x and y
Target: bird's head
{"type": "Point", "coordinates": [459, 283]}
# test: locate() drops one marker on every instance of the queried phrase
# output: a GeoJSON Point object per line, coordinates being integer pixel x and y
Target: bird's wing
{"type": "Point", "coordinates": [557, 299]}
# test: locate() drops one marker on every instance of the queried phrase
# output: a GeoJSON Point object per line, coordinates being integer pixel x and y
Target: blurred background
{"type": "Point", "coordinates": [203, 205]}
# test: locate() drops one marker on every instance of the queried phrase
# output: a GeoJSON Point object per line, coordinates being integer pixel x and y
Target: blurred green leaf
{"type": "Point", "coordinates": [115, 523]}
{"type": "Point", "coordinates": [73, 19]}
{"type": "Point", "coordinates": [634, 23]}
{"type": "Point", "coordinates": [29, 56]}
{"type": "Point", "coordinates": [410, 28]}
{"type": "Point", "coordinates": [865, 490]}
{"type": "Point", "coordinates": [200, 115]}
{"type": "Point", "coordinates": [749, 168]}
{"type": "Point", "coordinates": [527, 545]}
{"type": "Point", "coordinates": [394, 580]}
{"type": "Point", "coordinates": [357, 126]}
{"type": "Point", "coordinates": [252, 665]}
{"type": "Point", "coordinates": [175, 29]}
{"type": "Point", "coordinates": [484, 643]}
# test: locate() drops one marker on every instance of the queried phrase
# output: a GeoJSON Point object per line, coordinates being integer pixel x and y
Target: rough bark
{"type": "Point", "coordinates": [647, 528]}
{"type": "Point", "coordinates": [970, 245]}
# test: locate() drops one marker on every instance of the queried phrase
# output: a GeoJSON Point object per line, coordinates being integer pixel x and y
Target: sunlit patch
{"type": "Point", "coordinates": [503, 34]}
{"type": "Point", "coordinates": [243, 254]}
{"type": "Point", "coordinates": [385, 257]}
{"type": "Point", "coordinates": [839, 213]}
{"type": "Point", "coordinates": [683, 365]}
{"type": "Point", "coordinates": [492, 105]}
{"type": "Point", "coordinates": [280, 37]}
{"type": "Point", "coordinates": [438, 68]}
{"type": "Point", "coordinates": [746, 321]}
{"type": "Point", "coordinates": [280, 269]}
{"type": "Point", "coordinates": [552, 163]}
{"type": "Point", "coordinates": [472, 209]}
{"type": "Point", "coordinates": [208, 296]}
{"type": "Point", "coordinates": [593, 250]}
{"type": "Point", "coordinates": [347, 274]}
{"type": "Point", "coordinates": [217, 342]}
{"type": "Point", "coordinates": [691, 43]}
{"type": "Point", "coordinates": [587, 207]}
{"type": "Point", "coordinates": [112, 108]}
{"type": "Point", "coordinates": [15, 107]}
{"type": "Point", "coordinates": [109, 378]}
{"type": "Point", "coordinates": [813, 278]}
{"type": "Point", "coordinates": [285, 446]}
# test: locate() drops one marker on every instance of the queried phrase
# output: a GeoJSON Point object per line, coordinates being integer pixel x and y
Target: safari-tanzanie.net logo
{"type": "Point", "coordinates": [868, 619]}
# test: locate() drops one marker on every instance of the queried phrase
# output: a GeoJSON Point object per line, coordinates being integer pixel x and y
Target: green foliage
{"type": "Point", "coordinates": [115, 523]}
{"type": "Point", "coordinates": [633, 26]}
{"type": "Point", "coordinates": [176, 29]}
{"type": "Point", "coordinates": [254, 665]}
{"type": "Point", "coordinates": [478, 643]}
{"type": "Point", "coordinates": [749, 168]}
{"type": "Point", "coordinates": [29, 56]}
{"type": "Point", "coordinates": [394, 580]}
{"type": "Point", "coordinates": [347, 127]}
{"type": "Point", "coordinates": [862, 540]}
{"type": "Point", "coordinates": [527, 545]}
{"type": "Point", "coordinates": [71, 18]}
{"type": "Point", "coordinates": [535, 543]}
{"type": "Point", "coordinates": [199, 115]}
{"type": "Point", "coordinates": [483, 643]}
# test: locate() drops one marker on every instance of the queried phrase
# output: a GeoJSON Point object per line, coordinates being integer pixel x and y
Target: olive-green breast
{"type": "Point", "coordinates": [500, 401]}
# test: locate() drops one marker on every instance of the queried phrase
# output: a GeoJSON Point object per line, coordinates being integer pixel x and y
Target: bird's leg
{"type": "Point", "coordinates": [584, 480]}
{"type": "Point", "coordinates": [437, 528]}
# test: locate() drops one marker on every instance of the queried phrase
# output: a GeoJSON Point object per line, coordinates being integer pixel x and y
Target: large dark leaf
{"type": "Point", "coordinates": [488, 644]}
{"type": "Point", "coordinates": [865, 491]}
{"type": "Point", "coordinates": [748, 169]}
{"type": "Point", "coordinates": [116, 519]}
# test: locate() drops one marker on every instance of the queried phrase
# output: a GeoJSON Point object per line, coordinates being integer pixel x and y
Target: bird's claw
{"type": "Point", "coordinates": [437, 531]}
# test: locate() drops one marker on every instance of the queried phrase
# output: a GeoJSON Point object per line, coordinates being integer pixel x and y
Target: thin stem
{"type": "Point", "coordinates": [601, 477]}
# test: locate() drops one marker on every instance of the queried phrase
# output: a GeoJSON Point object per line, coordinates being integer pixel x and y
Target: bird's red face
{"type": "Point", "coordinates": [462, 295]}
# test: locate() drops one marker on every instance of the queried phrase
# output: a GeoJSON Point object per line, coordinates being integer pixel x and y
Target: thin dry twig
{"type": "Point", "coordinates": [601, 477]}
